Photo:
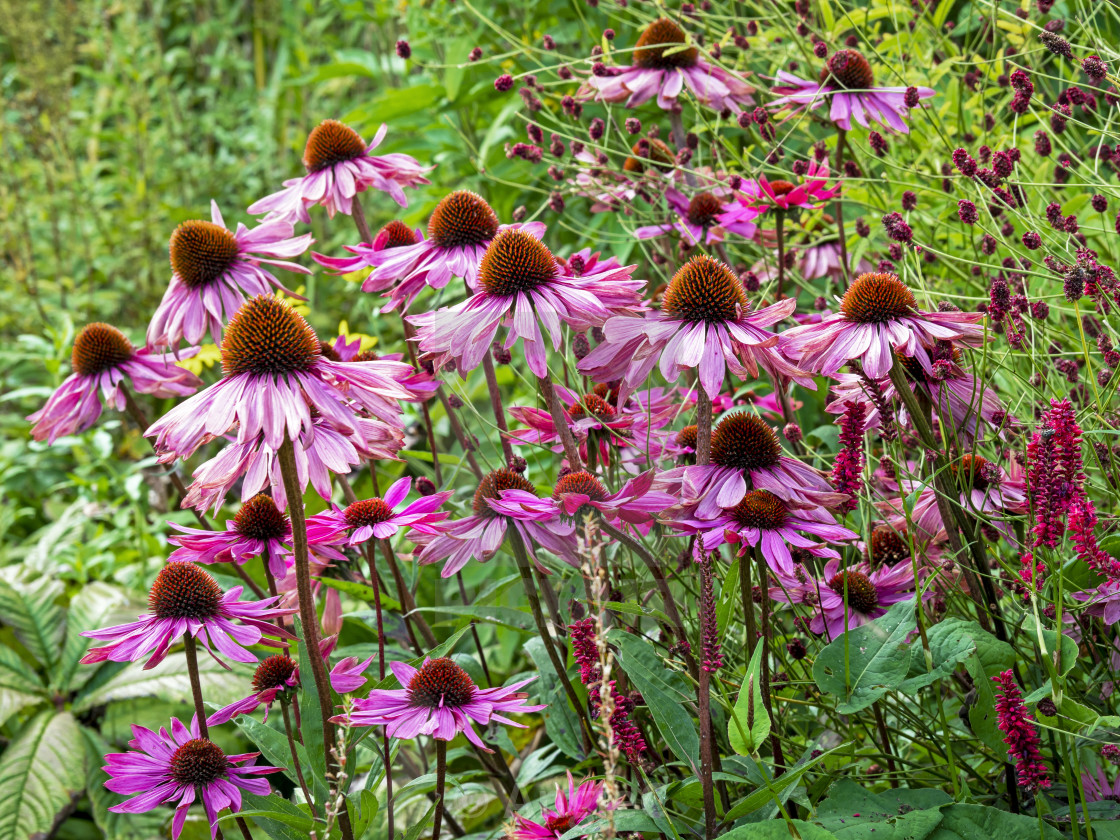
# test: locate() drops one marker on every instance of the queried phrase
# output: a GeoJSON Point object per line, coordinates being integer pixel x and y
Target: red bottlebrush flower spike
{"type": "Point", "coordinates": [1019, 734]}
{"type": "Point", "coordinates": [585, 651]}
{"type": "Point", "coordinates": [847, 471]}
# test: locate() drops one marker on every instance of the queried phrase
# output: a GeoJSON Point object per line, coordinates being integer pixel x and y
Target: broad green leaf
{"type": "Point", "coordinates": [363, 809]}
{"type": "Point", "coordinates": [853, 813]}
{"type": "Point", "coordinates": [561, 722]}
{"type": "Point", "coordinates": [169, 681]}
{"type": "Point", "coordinates": [267, 815]}
{"type": "Point", "coordinates": [112, 825]}
{"type": "Point", "coordinates": [982, 713]}
{"type": "Point", "coordinates": [750, 723]}
{"type": "Point", "coordinates": [90, 609]}
{"type": "Point", "coordinates": [310, 714]}
{"type": "Point", "coordinates": [417, 827]}
{"type": "Point", "coordinates": [665, 692]}
{"type": "Point", "coordinates": [273, 745]}
{"type": "Point", "coordinates": [41, 772]}
{"type": "Point", "coordinates": [950, 643]}
{"type": "Point", "coordinates": [878, 659]}
{"type": "Point", "coordinates": [779, 787]}
{"type": "Point", "coordinates": [778, 830]}
{"type": "Point", "coordinates": [31, 611]}
{"type": "Point", "coordinates": [19, 684]}
{"type": "Point", "coordinates": [969, 822]}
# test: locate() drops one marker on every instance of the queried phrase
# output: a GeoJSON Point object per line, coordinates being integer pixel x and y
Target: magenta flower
{"type": "Point", "coordinates": [1020, 734]}
{"type": "Point", "coordinates": [1103, 602]}
{"type": "Point", "coordinates": [705, 218]}
{"type": "Point", "coordinates": [378, 519]}
{"type": "Point", "coordinates": [571, 809]}
{"type": "Point", "coordinates": [746, 455]}
{"type": "Point", "coordinates": [439, 699]}
{"type": "Point", "coordinates": [870, 592]}
{"type": "Point", "coordinates": [394, 235]}
{"type": "Point", "coordinates": [522, 286]}
{"type": "Point", "coordinates": [186, 600]}
{"type": "Point", "coordinates": [705, 323]}
{"type": "Point", "coordinates": [348, 675]}
{"type": "Point", "coordinates": [213, 269]}
{"type": "Point", "coordinates": [762, 519]}
{"type": "Point", "coordinates": [103, 360]}
{"type": "Point", "coordinates": [505, 499]}
{"type": "Point", "coordinates": [259, 528]}
{"type": "Point", "coordinates": [878, 313]}
{"type": "Point", "coordinates": [847, 79]}
{"type": "Point", "coordinates": [824, 260]}
{"type": "Point", "coordinates": [276, 675]}
{"type": "Point", "coordinates": [665, 63]}
{"type": "Point", "coordinates": [339, 166]}
{"type": "Point", "coordinates": [782, 195]}
{"type": "Point", "coordinates": [273, 372]}
{"type": "Point", "coordinates": [1098, 788]}
{"type": "Point", "coordinates": [635, 504]}
{"type": "Point", "coordinates": [847, 469]}
{"type": "Point", "coordinates": [182, 767]}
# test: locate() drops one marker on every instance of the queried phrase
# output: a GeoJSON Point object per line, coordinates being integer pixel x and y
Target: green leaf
{"type": "Point", "coordinates": [853, 813]}
{"type": "Point", "coordinates": [20, 686]}
{"type": "Point", "coordinates": [969, 822]}
{"type": "Point", "coordinates": [665, 692]}
{"type": "Point", "coordinates": [878, 659]}
{"type": "Point", "coordinates": [623, 821]}
{"type": "Point", "coordinates": [40, 775]}
{"type": "Point", "coordinates": [750, 723]}
{"type": "Point", "coordinates": [509, 617]}
{"type": "Point", "coordinates": [90, 609]}
{"type": "Point", "coordinates": [778, 830]}
{"type": "Point", "coordinates": [273, 744]}
{"type": "Point", "coordinates": [275, 815]}
{"type": "Point", "coordinates": [950, 643]}
{"type": "Point", "coordinates": [982, 713]}
{"type": "Point", "coordinates": [169, 681]}
{"type": "Point", "coordinates": [363, 809]}
{"type": "Point", "coordinates": [417, 827]}
{"type": "Point", "coordinates": [359, 591]}
{"type": "Point", "coordinates": [310, 714]}
{"type": "Point", "coordinates": [561, 722]}
{"type": "Point", "coordinates": [31, 611]}
{"type": "Point", "coordinates": [779, 787]}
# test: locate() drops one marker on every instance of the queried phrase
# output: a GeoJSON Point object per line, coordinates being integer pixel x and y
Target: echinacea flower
{"type": "Point", "coordinates": [848, 81]}
{"type": "Point", "coordinates": [378, 518]}
{"type": "Point", "coordinates": [504, 499]}
{"type": "Point", "coordinates": [762, 519]}
{"type": "Point", "coordinates": [704, 218]}
{"type": "Point", "coordinates": [1098, 788]}
{"type": "Point", "coordinates": [824, 259]}
{"type": "Point", "coordinates": [104, 361]}
{"type": "Point", "coordinates": [781, 196]}
{"type": "Point", "coordinates": [438, 699]}
{"type": "Point", "coordinates": [665, 63]}
{"type": "Point", "coordinates": [459, 231]}
{"type": "Point", "coordinates": [635, 504]}
{"type": "Point", "coordinates": [869, 593]}
{"type": "Point", "coordinates": [522, 286]}
{"type": "Point", "coordinates": [706, 323]}
{"type": "Point", "coordinates": [746, 455]}
{"type": "Point", "coordinates": [213, 269]}
{"type": "Point", "coordinates": [182, 767]}
{"type": "Point", "coordinates": [396, 234]}
{"type": "Point", "coordinates": [186, 600]}
{"type": "Point", "coordinates": [878, 313]}
{"type": "Point", "coordinates": [572, 808]}
{"type": "Point", "coordinates": [340, 165]}
{"type": "Point", "coordinates": [275, 676]}
{"type": "Point", "coordinates": [258, 529]}
{"type": "Point", "coordinates": [273, 373]}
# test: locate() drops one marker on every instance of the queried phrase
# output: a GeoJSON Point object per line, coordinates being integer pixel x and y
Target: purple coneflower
{"type": "Point", "coordinates": [186, 600]}
{"type": "Point", "coordinates": [275, 676]}
{"type": "Point", "coordinates": [665, 63]}
{"type": "Point", "coordinates": [273, 372]}
{"type": "Point", "coordinates": [396, 234]}
{"type": "Point", "coordinates": [847, 79]}
{"type": "Point", "coordinates": [746, 455]}
{"type": "Point", "coordinates": [869, 593]}
{"type": "Point", "coordinates": [182, 767]}
{"type": "Point", "coordinates": [762, 519]}
{"type": "Point", "coordinates": [877, 313]}
{"type": "Point", "coordinates": [825, 259]}
{"type": "Point", "coordinates": [439, 699]}
{"type": "Point", "coordinates": [781, 195]}
{"type": "Point", "coordinates": [571, 809]}
{"type": "Point", "coordinates": [213, 269]}
{"type": "Point", "coordinates": [378, 519]}
{"type": "Point", "coordinates": [1020, 735]}
{"type": "Point", "coordinates": [339, 166]}
{"type": "Point", "coordinates": [504, 499]}
{"type": "Point", "coordinates": [704, 218]}
{"type": "Point", "coordinates": [1098, 788]}
{"type": "Point", "coordinates": [258, 529]}
{"type": "Point", "coordinates": [522, 286]}
{"type": "Point", "coordinates": [103, 360]}
{"type": "Point", "coordinates": [635, 504]}
{"type": "Point", "coordinates": [705, 322]}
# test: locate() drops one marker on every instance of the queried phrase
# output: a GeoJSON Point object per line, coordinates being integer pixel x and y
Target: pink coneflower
{"type": "Point", "coordinates": [394, 235]}
{"type": "Point", "coordinates": [103, 360]}
{"type": "Point", "coordinates": [213, 269]}
{"type": "Point", "coordinates": [439, 699]}
{"type": "Point", "coordinates": [704, 218]}
{"type": "Point", "coordinates": [825, 259]}
{"type": "Point", "coordinates": [459, 231]}
{"type": "Point", "coordinates": [847, 79]}
{"type": "Point", "coordinates": [339, 166]}
{"type": "Point", "coordinates": [1102, 601]}
{"type": "Point", "coordinates": [504, 499]}
{"type": "Point", "coordinates": [258, 529]}
{"type": "Point", "coordinates": [186, 600]}
{"type": "Point", "coordinates": [762, 519]}
{"type": "Point", "coordinates": [877, 313]}
{"type": "Point", "coordinates": [276, 675]}
{"type": "Point", "coordinates": [635, 504]}
{"type": "Point", "coordinates": [746, 455]}
{"type": "Point", "coordinates": [182, 767]}
{"type": "Point", "coordinates": [272, 369]}
{"type": "Point", "coordinates": [522, 286]}
{"type": "Point", "coordinates": [781, 195]}
{"type": "Point", "coordinates": [378, 519]}
{"type": "Point", "coordinates": [571, 809]}
{"type": "Point", "coordinates": [705, 323]}
{"type": "Point", "coordinates": [1020, 735]}
{"type": "Point", "coordinates": [870, 592]}
{"type": "Point", "coordinates": [662, 69]}
{"type": "Point", "coordinates": [1098, 788]}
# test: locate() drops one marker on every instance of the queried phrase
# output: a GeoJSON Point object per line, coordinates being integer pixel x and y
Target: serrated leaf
{"type": "Point", "coordinates": [89, 609]}
{"type": "Point", "coordinates": [750, 723]}
{"type": "Point", "coordinates": [31, 611]}
{"type": "Point", "coordinates": [39, 775]}
{"type": "Point", "coordinates": [20, 686]}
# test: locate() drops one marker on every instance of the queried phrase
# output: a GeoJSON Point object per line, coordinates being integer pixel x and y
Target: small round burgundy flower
{"type": "Point", "coordinates": [475, 54]}
{"type": "Point", "coordinates": [1095, 69]}
{"type": "Point", "coordinates": [966, 211]}
{"type": "Point", "coordinates": [1032, 240]}
{"type": "Point", "coordinates": [1056, 44]}
{"type": "Point", "coordinates": [503, 83]}
{"type": "Point", "coordinates": [1099, 203]}
{"type": "Point", "coordinates": [404, 50]}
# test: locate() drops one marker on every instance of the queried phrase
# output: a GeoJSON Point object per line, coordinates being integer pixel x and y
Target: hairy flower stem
{"type": "Point", "coordinates": [441, 778]}
{"type": "Point", "coordinates": [838, 205]}
{"type": "Point", "coordinates": [767, 701]}
{"type": "Point", "coordinates": [704, 703]}
{"type": "Point", "coordinates": [360, 221]}
{"type": "Point", "coordinates": [496, 406]}
{"type": "Point", "coordinates": [703, 427]}
{"type": "Point", "coordinates": [284, 701]}
{"type": "Point", "coordinates": [560, 421]}
{"type": "Point", "coordinates": [308, 616]}
{"type": "Point", "coordinates": [779, 229]}
{"type": "Point", "coordinates": [526, 572]}
{"type": "Point", "coordinates": [191, 651]}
